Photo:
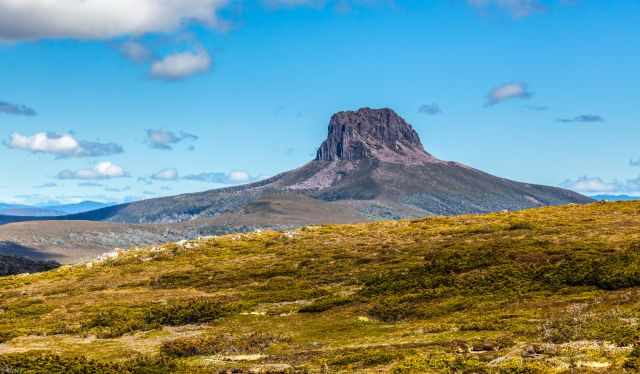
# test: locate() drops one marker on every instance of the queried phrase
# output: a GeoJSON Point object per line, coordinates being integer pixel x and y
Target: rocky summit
{"type": "Point", "coordinates": [372, 134]}
{"type": "Point", "coordinates": [371, 166]}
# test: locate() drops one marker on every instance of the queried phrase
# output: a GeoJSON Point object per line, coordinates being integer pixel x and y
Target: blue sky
{"type": "Point", "coordinates": [122, 103]}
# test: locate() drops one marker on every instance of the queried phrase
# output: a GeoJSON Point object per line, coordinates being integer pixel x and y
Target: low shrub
{"type": "Point", "coordinates": [324, 304]}
{"type": "Point", "coordinates": [365, 358]}
{"type": "Point", "coordinates": [32, 362]}
{"type": "Point", "coordinates": [210, 345]}
{"type": "Point", "coordinates": [185, 312]}
{"type": "Point", "coordinates": [123, 320]}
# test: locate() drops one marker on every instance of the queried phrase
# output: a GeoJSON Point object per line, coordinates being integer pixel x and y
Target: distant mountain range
{"type": "Point", "coordinates": [615, 197]}
{"type": "Point", "coordinates": [371, 166]}
{"type": "Point", "coordinates": [54, 210]}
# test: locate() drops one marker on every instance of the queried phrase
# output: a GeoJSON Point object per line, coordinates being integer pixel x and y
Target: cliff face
{"type": "Point", "coordinates": [372, 134]}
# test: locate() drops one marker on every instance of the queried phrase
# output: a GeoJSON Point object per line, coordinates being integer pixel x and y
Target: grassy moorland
{"type": "Point", "coordinates": [548, 290]}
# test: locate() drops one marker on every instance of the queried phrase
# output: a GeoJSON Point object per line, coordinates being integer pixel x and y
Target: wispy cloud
{"type": "Point", "coordinates": [61, 145]}
{"type": "Point", "coordinates": [117, 190]}
{"type": "Point", "coordinates": [135, 51]}
{"type": "Point", "coordinates": [102, 170]}
{"type": "Point", "coordinates": [430, 109]}
{"type": "Point", "coordinates": [165, 140]}
{"type": "Point", "coordinates": [182, 65]}
{"type": "Point", "coordinates": [46, 185]}
{"type": "Point", "coordinates": [234, 177]}
{"type": "Point", "coordinates": [165, 175]}
{"type": "Point", "coordinates": [585, 118]}
{"type": "Point", "coordinates": [508, 91]}
{"type": "Point", "coordinates": [596, 185]}
{"type": "Point", "coordinates": [16, 109]}
{"type": "Point", "coordinates": [90, 184]}
{"type": "Point", "coordinates": [517, 8]}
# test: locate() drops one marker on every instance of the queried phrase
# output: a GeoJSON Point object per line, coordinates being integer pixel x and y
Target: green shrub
{"type": "Point", "coordinates": [440, 364]}
{"type": "Point", "coordinates": [185, 312]}
{"type": "Point", "coordinates": [128, 319]}
{"type": "Point", "coordinates": [633, 360]}
{"type": "Point", "coordinates": [324, 304]}
{"type": "Point", "coordinates": [210, 345]}
{"type": "Point", "coordinates": [116, 322]}
{"type": "Point", "coordinates": [365, 358]}
{"type": "Point", "coordinates": [33, 362]}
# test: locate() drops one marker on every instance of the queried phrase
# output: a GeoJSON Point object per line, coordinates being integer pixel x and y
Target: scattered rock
{"type": "Point", "coordinates": [272, 369]}
{"type": "Point", "coordinates": [484, 347]}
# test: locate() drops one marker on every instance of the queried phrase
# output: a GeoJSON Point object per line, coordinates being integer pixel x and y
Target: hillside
{"type": "Point", "coordinates": [546, 290]}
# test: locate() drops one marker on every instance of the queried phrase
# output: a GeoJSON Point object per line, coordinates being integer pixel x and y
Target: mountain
{"type": "Point", "coordinates": [615, 197]}
{"type": "Point", "coordinates": [48, 211]}
{"type": "Point", "coordinates": [81, 207]}
{"type": "Point", "coordinates": [371, 166]}
{"type": "Point", "coordinates": [547, 290]}
{"type": "Point", "coordinates": [28, 211]}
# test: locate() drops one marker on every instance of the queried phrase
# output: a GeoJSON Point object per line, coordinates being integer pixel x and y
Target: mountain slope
{"type": "Point", "coordinates": [515, 292]}
{"type": "Point", "coordinates": [372, 162]}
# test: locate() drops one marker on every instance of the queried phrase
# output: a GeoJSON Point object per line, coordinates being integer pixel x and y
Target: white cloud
{"type": "Point", "coordinates": [239, 176]}
{"type": "Point", "coordinates": [591, 185]}
{"type": "Point", "coordinates": [135, 51]}
{"type": "Point", "coordinates": [62, 146]}
{"type": "Point", "coordinates": [101, 19]}
{"type": "Point", "coordinates": [166, 175]}
{"type": "Point", "coordinates": [45, 143]}
{"type": "Point", "coordinates": [164, 140]}
{"type": "Point", "coordinates": [596, 185]}
{"type": "Point", "coordinates": [102, 170]}
{"type": "Point", "coordinates": [233, 177]}
{"type": "Point", "coordinates": [508, 91]}
{"type": "Point", "coordinates": [517, 8]}
{"type": "Point", "coordinates": [181, 65]}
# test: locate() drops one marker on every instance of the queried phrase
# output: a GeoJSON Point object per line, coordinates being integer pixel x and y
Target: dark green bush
{"type": "Point", "coordinates": [46, 363]}
{"type": "Point", "coordinates": [210, 345]}
{"type": "Point", "coordinates": [324, 304]}
{"type": "Point", "coordinates": [185, 312]}
{"type": "Point", "coordinates": [123, 320]}
{"type": "Point", "coordinates": [365, 358]}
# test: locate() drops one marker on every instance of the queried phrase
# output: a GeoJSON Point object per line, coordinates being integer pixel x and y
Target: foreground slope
{"type": "Point", "coordinates": [544, 290]}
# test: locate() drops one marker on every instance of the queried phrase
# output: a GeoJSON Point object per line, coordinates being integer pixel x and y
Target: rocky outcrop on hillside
{"type": "Point", "coordinates": [372, 134]}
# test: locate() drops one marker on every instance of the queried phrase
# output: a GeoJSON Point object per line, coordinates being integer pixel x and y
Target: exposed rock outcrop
{"type": "Point", "coordinates": [372, 134]}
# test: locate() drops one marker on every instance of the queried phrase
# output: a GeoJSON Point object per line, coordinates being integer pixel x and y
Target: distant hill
{"type": "Point", "coordinates": [50, 210]}
{"type": "Point", "coordinates": [615, 197]}
{"type": "Point", "coordinates": [81, 207]}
